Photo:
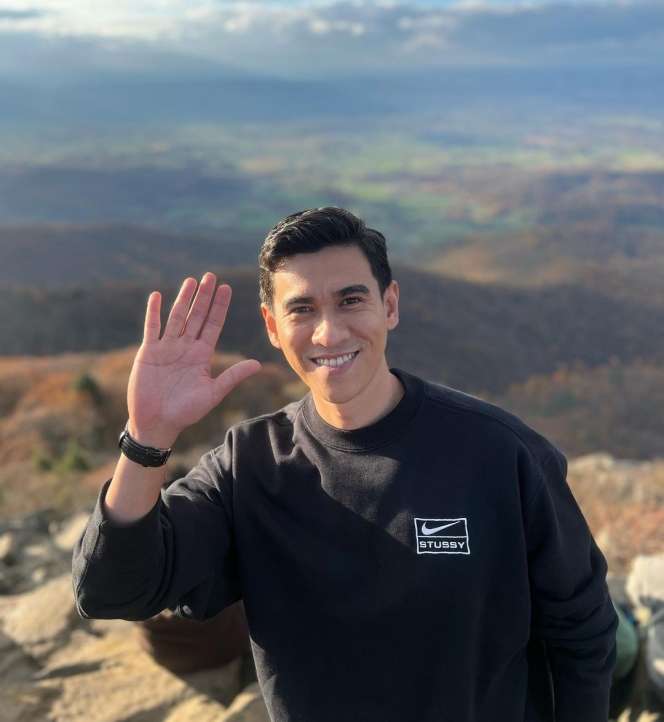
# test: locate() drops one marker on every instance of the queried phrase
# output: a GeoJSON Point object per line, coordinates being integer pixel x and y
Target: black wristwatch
{"type": "Point", "coordinates": [143, 455]}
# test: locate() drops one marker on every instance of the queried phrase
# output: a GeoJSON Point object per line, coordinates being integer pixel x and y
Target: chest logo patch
{"type": "Point", "coordinates": [442, 536]}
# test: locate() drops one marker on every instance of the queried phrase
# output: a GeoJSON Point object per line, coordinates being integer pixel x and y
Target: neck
{"type": "Point", "coordinates": [377, 400]}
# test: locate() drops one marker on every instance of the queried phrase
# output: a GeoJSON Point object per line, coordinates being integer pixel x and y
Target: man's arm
{"type": "Point", "coordinates": [179, 555]}
{"type": "Point", "coordinates": [145, 549]}
{"type": "Point", "coordinates": [134, 489]}
{"type": "Point", "coordinates": [571, 608]}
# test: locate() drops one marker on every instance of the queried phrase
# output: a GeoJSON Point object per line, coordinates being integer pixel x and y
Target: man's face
{"type": "Point", "coordinates": [330, 322]}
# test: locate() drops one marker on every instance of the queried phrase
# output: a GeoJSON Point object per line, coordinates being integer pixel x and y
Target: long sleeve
{"type": "Point", "coordinates": [571, 608]}
{"type": "Point", "coordinates": [179, 556]}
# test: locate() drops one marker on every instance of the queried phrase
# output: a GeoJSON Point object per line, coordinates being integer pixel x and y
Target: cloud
{"type": "Point", "coordinates": [307, 39]}
{"type": "Point", "coordinates": [352, 35]}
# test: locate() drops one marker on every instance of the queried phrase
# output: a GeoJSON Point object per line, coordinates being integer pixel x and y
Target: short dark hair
{"type": "Point", "coordinates": [312, 230]}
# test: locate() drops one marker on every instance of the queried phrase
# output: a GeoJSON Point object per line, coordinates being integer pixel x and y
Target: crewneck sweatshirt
{"type": "Point", "coordinates": [433, 566]}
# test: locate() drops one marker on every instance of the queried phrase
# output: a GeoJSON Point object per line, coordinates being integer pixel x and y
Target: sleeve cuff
{"type": "Point", "coordinates": [124, 537]}
{"type": "Point", "coordinates": [101, 516]}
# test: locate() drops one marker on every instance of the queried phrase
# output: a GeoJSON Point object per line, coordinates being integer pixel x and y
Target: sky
{"type": "Point", "coordinates": [47, 38]}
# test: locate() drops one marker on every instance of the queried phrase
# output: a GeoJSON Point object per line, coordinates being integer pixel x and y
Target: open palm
{"type": "Point", "coordinates": [170, 385]}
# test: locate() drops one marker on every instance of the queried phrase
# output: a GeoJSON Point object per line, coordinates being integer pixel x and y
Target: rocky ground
{"type": "Point", "coordinates": [54, 665]}
{"type": "Point", "coordinates": [59, 667]}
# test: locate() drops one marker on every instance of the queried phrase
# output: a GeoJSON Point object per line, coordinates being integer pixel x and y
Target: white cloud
{"type": "Point", "coordinates": [301, 38]}
{"type": "Point", "coordinates": [426, 22]}
{"type": "Point", "coordinates": [322, 27]}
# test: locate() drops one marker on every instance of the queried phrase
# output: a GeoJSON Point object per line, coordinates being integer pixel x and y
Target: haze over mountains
{"type": "Point", "coordinates": [225, 94]}
{"type": "Point", "coordinates": [513, 155]}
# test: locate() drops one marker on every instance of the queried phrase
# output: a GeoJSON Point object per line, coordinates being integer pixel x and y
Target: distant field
{"type": "Point", "coordinates": [426, 182]}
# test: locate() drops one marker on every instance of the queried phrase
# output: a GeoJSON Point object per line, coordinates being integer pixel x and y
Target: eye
{"type": "Point", "coordinates": [300, 309]}
{"type": "Point", "coordinates": [353, 300]}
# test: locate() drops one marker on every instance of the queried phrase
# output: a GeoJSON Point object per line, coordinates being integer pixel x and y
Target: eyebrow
{"type": "Point", "coordinates": [346, 291]}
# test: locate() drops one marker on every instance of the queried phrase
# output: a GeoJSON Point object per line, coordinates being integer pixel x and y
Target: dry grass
{"type": "Point", "coordinates": [65, 412]}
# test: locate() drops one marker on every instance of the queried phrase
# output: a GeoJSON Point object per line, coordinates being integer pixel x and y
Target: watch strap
{"type": "Point", "coordinates": [143, 455]}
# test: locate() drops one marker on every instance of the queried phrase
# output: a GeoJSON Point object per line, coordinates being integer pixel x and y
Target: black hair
{"type": "Point", "coordinates": [312, 230]}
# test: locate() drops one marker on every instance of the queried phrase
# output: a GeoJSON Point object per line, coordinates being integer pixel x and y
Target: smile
{"type": "Point", "coordinates": [336, 361]}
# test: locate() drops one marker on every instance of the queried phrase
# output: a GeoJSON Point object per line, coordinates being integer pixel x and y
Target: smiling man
{"type": "Point", "coordinates": [333, 334]}
{"type": "Point", "coordinates": [406, 552]}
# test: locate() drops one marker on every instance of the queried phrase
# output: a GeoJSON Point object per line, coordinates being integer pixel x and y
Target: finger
{"type": "Point", "coordinates": [234, 375]}
{"type": "Point", "coordinates": [179, 308]}
{"type": "Point", "coordinates": [199, 308]}
{"type": "Point", "coordinates": [152, 325]}
{"type": "Point", "coordinates": [217, 316]}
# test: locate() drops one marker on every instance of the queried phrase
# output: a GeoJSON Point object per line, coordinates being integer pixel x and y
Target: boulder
{"type": "Point", "coordinates": [70, 532]}
{"type": "Point", "coordinates": [196, 709]}
{"type": "Point", "coordinates": [185, 645]}
{"type": "Point", "coordinates": [248, 706]}
{"type": "Point", "coordinates": [114, 668]}
{"type": "Point", "coordinates": [39, 620]}
{"type": "Point", "coordinates": [645, 585]}
{"type": "Point", "coordinates": [8, 546]}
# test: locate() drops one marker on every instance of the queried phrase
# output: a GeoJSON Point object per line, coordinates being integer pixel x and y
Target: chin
{"type": "Point", "coordinates": [336, 398]}
{"type": "Point", "coordinates": [338, 395]}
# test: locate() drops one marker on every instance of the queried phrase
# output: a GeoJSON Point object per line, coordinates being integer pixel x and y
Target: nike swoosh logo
{"type": "Point", "coordinates": [426, 530]}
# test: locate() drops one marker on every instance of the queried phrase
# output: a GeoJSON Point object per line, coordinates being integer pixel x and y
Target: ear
{"type": "Point", "coordinates": [391, 304]}
{"type": "Point", "coordinates": [270, 325]}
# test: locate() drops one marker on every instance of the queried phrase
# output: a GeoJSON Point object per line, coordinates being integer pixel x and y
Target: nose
{"type": "Point", "coordinates": [328, 332]}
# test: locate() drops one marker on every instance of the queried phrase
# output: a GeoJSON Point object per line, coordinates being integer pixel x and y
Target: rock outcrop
{"type": "Point", "coordinates": [55, 665]}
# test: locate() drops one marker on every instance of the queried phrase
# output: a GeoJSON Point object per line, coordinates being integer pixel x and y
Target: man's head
{"type": "Point", "coordinates": [328, 302]}
{"type": "Point", "coordinates": [312, 230]}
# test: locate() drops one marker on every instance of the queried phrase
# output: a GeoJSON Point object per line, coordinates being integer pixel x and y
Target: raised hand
{"type": "Point", "coordinates": [170, 385]}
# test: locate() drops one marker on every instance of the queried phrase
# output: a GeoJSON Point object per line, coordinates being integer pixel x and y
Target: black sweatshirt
{"type": "Point", "coordinates": [430, 567]}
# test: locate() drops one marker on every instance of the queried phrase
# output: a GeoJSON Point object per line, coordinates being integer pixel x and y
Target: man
{"type": "Point", "coordinates": [405, 552]}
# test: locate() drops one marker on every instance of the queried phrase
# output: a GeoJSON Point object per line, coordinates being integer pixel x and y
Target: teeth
{"type": "Point", "coordinates": [333, 362]}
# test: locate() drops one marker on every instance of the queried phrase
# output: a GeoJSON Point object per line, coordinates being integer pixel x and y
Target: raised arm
{"type": "Point", "coordinates": [145, 549]}
{"type": "Point", "coordinates": [171, 388]}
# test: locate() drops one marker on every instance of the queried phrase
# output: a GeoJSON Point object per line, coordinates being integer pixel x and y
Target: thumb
{"type": "Point", "coordinates": [234, 375]}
